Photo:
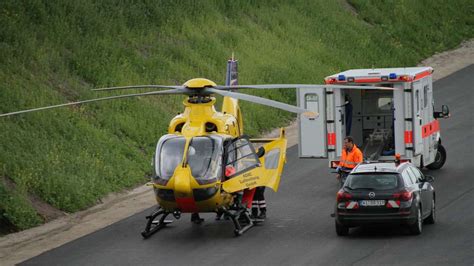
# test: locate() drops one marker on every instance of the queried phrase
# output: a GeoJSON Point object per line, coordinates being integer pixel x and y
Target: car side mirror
{"type": "Point", "coordinates": [261, 152]}
{"type": "Point", "coordinates": [429, 178]}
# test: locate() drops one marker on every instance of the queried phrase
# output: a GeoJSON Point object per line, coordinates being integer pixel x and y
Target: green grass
{"type": "Point", "coordinates": [56, 51]}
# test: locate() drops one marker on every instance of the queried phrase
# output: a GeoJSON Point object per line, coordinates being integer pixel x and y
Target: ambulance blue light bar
{"type": "Point", "coordinates": [392, 76]}
{"type": "Point", "coordinates": [341, 77]}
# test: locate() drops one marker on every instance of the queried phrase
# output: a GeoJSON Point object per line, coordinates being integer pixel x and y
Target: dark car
{"type": "Point", "coordinates": [385, 193]}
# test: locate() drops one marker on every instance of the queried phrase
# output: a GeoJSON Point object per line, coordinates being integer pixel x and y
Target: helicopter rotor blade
{"type": "Point", "coordinates": [139, 87]}
{"type": "Point", "coordinates": [263, 101]}
{"type": "Point", "coordinates": [298, 86]}
{"type": "Point", "coordinates": [167, 92]}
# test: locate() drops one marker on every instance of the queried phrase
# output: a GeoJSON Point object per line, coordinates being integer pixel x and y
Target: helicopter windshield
{"type": "Point", "coordinates": [205, 158]}
{"type": "Point", "coordinates": [168, 155]}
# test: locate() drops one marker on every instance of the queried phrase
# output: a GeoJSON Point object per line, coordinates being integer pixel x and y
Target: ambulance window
{"type": "Point", "coordinates": [417, 101]}
{"type": "Point", "coordinates": [425, 95]}
{"type": "Point", "coordinates": [385, 103]}
{"type": "Point", "coordinates": [311, 102]}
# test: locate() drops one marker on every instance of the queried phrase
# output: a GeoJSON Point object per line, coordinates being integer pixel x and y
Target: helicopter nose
{"type": "Point", "coordinates": [183, 191]}
{"type": "Point", "coordinates": [182, 182]}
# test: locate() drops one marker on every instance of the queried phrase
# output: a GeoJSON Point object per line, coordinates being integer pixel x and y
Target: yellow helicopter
{"type": "Point", "coordinates": [205, 161]}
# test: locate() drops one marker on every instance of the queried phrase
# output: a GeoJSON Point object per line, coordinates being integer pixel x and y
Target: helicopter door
{"type": "Point", "coordinates": [240, 157]}
{"type": "Point", "coordinates": [312, 137]}
{"type": "Point", "coordinates": [268, 174]}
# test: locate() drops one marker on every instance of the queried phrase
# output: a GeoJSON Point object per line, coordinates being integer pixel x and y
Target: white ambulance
{"type": "Point", "coordinates": [398, 120]}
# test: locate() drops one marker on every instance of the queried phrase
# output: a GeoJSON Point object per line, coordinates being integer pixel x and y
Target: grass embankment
{"type": "Point", "coordinates": [56, 51]}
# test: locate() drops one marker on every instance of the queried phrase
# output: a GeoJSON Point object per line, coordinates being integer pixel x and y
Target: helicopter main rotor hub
{"type": "Point", "coordinates": [199, 98]}
{"type": "Point", "coordinates": [199, 83]}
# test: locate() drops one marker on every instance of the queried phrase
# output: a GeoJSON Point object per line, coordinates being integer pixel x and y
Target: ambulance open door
{"type": "Point", "coordinates": [312, 131]}
{"type": "Point", "coordinates": [417, 98]}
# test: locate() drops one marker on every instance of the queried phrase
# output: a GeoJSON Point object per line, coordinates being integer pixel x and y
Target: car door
{"type": "Point", "coordinates": [415, 186]}
{"type": "Point", "coordinates": [425, 193]}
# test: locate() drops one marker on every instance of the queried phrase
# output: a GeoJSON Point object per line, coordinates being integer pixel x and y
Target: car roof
{"type": "Point", "coordinates": [379, 167]}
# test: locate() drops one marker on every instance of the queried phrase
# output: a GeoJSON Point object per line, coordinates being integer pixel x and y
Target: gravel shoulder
{"type": "Point", "coordinates": [17, 247]}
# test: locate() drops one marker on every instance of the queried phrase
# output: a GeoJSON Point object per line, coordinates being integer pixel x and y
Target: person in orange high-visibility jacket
{"type": "Point", "coordinates": [351, 155]}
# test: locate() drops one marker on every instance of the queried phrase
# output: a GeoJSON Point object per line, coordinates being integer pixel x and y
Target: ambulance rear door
{"type": "Point", "coordinates": [417, 94]}
{"type": "Point", "coordinates": [312, 131]}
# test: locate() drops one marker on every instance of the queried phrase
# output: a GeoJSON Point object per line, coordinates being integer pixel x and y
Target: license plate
{"type": "Point", "coordinates": [370, 203]}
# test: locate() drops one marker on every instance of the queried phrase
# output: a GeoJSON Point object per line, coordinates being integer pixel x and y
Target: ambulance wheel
{"type": "Point", "coordinates": [440, 159]}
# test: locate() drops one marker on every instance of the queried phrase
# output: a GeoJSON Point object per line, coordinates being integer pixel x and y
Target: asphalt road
{"type": "Point", "coordinates": [299, 229]}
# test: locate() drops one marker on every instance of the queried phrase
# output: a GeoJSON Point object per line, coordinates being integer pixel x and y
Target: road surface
{"type": "Point", "coordinates": [299, 229]}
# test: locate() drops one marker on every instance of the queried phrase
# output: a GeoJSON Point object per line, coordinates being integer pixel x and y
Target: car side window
{"type": "Point", "coordinates": [418, 174]}
{"type": "Point", "coordinates": [412, 175]}
{"type": "Point", "coordinates": [406, 178]}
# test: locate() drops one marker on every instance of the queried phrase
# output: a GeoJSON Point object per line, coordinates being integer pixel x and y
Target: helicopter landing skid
{"type": "Point", "coordinates": [156, 221]}
{"type": "Point", "coordinates": [241, 219]}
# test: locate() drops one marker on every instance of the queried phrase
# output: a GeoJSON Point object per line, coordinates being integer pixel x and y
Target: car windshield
{"type": "Point", "coordinates": [372, 181]}
{"type": "Point", "coordinates": [169, 152]}
{"type": "Point", "coordinates": [205, 157]}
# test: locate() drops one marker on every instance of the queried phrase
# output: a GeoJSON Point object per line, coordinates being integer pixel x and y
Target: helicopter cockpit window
{"type": "Point", "coordinates": [272, 159]}
{"type": "Point", "coordinates": [205, 158]}
{"type": "Point", "coordinates": [169, 152]}
{"type": "Point", "coordinates": [241, 156]}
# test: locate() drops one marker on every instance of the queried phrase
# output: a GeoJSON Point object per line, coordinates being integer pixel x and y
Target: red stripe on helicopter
{"type": "Point", "coordinates": [331, 138]}
{"type": "Point", "coordinates": [186, 204]}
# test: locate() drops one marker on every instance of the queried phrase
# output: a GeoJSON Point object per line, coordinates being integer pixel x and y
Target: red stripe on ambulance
{"type": "Point", "coordinates": [408, 136]}
{"type": "Point", "coordinates": [332, 138]}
